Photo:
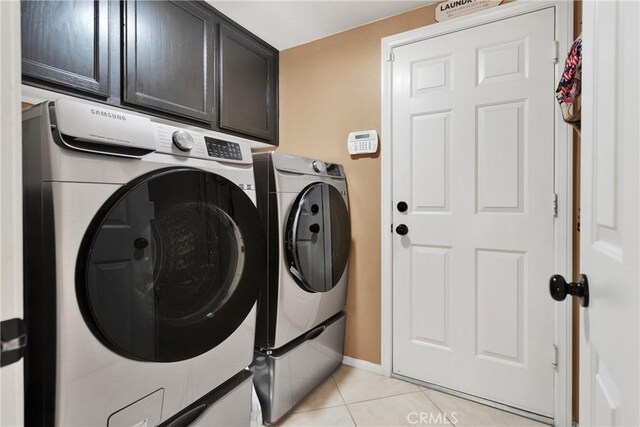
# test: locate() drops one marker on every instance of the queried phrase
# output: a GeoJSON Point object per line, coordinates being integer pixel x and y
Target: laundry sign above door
{"type": "Point", "coordinates": [454, 8]}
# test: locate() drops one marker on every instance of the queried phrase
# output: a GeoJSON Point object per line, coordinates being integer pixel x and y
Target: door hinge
{"type": "Point", "coordinates": [554, 356]}
{"type": "Point", "coordinates": [13, 341]}
{"type": "Point", "coordinates": [392, 57]}
{"type": "Point", "coordinates": [391, 228]}
{"type": "Point", "coordinates": [555, 205]}
{"type": "Point", "coordinates": [556, 51]}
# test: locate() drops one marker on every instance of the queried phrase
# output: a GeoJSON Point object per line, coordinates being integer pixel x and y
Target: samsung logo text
{"type": "Point", "coordinates": [108, 115]}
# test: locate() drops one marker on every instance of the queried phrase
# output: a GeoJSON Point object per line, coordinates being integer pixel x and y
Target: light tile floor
{"type": "Point", "coordinates": [354, 397]}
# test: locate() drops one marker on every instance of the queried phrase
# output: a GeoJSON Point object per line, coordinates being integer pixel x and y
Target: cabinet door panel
{"type": "Point", "coordinates": [248, 73]}
{"type": "Point", "coordinates": [66, 43]}
{"type": "Point", "coordinates": [169, 57]}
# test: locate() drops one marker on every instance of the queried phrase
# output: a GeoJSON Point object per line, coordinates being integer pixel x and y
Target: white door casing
{"type": "Point", "coordinates": [609, 254]}
{"type": "Point", "coordinates": [473, 156]}
{"type": "Point", "coordinates": [11, 376]}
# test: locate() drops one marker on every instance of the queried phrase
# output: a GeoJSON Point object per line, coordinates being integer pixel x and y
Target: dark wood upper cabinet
{"type": "Point", "coordinates": [169, 57]}
{"type": "Point", "coordinates": [179, 60]}
{"type": "Point", "coordinates": [248, 85]}
{"type": "Point", "coordinates": [66, 43]}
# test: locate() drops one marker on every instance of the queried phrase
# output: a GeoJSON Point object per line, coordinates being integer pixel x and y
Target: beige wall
{"type": "Point", "coordinates": [329, 88]}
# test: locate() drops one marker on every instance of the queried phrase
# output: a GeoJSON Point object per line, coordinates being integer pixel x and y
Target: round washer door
{"type": "Point", "coordinates": [171, 265]}
{"type": "Point", "coordinates": [318, 237]}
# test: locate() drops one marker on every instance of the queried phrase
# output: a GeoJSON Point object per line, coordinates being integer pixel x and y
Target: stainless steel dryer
{"type": "Point", "coordinates": [300, 332]}
{"type": "Point", "coordinates": [144, 259]}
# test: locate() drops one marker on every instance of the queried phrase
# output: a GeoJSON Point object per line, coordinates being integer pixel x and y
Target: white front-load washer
{"type": "Point", "coordinates": [144, 257]}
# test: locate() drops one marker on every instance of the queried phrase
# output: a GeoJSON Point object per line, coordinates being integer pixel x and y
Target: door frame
{"type": "Point", "coordinates": [563, 182]}
{"type": "Point", "coordinates": [11, 376]}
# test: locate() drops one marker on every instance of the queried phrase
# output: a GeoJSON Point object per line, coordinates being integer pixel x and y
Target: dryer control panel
{"type": "Point", "coordinates": [333, 169]}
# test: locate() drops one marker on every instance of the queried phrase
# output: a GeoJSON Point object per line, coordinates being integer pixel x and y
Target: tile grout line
{"type": "Point", "coordinates": [384, 397]}
{"type": "Point", "coordinates": [499, 411]}
{"type": "Point", "coordinates": [378, 398]}
{"type": "Point", "coordinates": [423, 390]}
{"type": "Point", "coordinates": [420, 390]}
{"type": "Point", "coordinates": [343, 400]}
{"type": "Point", "coordinates": [310, 410]}
{"type": "Point", "coordinates": [314, 409]}
{"type": "Point", "coordinates": [329, 378]}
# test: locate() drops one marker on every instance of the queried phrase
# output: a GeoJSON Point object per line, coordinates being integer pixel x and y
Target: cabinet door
{"type": "Point", "coordinates": [248, 85]}
{"type": "Point", "coordinates": [66, 43]}
{"type": "Point", "coordinates": [169, 54]}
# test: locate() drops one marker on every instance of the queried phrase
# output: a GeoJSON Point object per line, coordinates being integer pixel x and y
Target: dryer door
{"type": "Point", "coordinates": [318, 237]}
{"type": "Point", "coordinates": [171, 265]}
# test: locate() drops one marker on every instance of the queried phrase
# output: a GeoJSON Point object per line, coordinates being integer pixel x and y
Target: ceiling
{"type": "Point", "coordinates": [285, 24]}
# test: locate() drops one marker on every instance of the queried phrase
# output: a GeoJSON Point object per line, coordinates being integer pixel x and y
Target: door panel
{"type": "Point", "coordinates": [169, 57]}
{"type": "Point", "coordinates": [248, 73]}
{"type": "Point", "coordinates": [500, 162]}
{"type": "Point", "coordinates": [66, 43]}
{"type": "Point", "coordinates": [609, 244]}
{"type": "Point", "coordinates": [473, 157]}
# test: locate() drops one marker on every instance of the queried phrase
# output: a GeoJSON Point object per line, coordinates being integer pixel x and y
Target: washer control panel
{"type": "Point", "coordinates": [191, 143]}
{"type": "Point", "coordinates": [223, 149]}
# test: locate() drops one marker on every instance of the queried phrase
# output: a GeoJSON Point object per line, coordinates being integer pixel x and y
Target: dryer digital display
{"type": "Point", "coordinates": [333, 169]}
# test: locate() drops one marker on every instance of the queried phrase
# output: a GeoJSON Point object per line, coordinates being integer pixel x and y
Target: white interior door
{"type": "Point", "coordinates": [473, 158]}
{"type": "Point", "coordinates": [609, 255]}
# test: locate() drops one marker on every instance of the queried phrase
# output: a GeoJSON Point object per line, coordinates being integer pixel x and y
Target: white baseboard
{"type": "Point", "coordinates": [362, 364]}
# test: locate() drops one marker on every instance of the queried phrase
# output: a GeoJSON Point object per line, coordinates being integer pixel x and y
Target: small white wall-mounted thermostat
{"type": "Point", "coordinates": [363, 142]}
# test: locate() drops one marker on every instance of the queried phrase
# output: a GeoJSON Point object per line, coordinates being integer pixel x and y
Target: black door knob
{"type": "Point", "coordinates": [402, 206]}
{"type": "Point", "coordinates": [402, 229]}
{"type": "Point", "coordinates": [559, 289]}
{"type": "Point", "coordinates": [314, 228]}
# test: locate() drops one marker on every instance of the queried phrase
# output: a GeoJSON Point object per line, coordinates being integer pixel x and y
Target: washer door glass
{"type": "Point", "coordinates": [318, 237]}
{"type": "Point", "coordinates": [171, 265]}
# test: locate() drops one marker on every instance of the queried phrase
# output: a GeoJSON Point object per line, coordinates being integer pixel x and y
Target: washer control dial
{"type": "Point", "coordinates": [316, 166]}
{"type": "Point", "coordinates": [183, 140]}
